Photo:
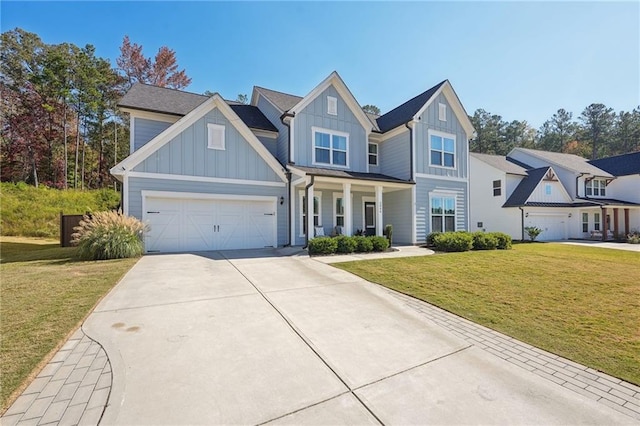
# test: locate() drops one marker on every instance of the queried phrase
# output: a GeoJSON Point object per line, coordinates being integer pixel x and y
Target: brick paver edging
{"type": "Point", "coordinates": [73, 388]}
{"type": "Point", "coordinates": [615, 393]}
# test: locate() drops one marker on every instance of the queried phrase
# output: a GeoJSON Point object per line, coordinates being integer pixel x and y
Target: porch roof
{"type": "Point", "coordinates": [346, 174]}
{"type": "Point", "coordinates": [605, 202]}
{"type": "Point", "coordinates": [583, 202]}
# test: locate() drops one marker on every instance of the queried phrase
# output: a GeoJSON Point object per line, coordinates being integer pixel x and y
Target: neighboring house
{"type": "Point", "coordinates": [563, 194]}
{"type": "Point", "coordinates": [210, 174]}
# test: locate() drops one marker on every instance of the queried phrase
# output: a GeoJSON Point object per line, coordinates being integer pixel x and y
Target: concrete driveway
{"type": "Point", "coordinates": [252, 338]}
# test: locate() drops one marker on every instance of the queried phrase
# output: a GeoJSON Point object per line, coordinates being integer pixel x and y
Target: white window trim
{"type": "Point", "coordinates": [443, 194]}
{"type": "Point", "coordinates": [602, 187]}
{"type": "Point", "coordinates": [442, 112]}
{"type": "Point", "coordinates": [499, 187]}
{"type": "Point", "coordinates": [377, 154]}
{"type": "Point", "coordinates": [583, 222]}
{"type": "Point", "coordinates": [332, 105]}
{"type": "Point", "coordinates": [315, 130]}
{"type": "Point", "coordinates": [597, 223]}
{"type": "Point", "coordinates": [212, 131]}
{"type": "Point", "coordinates": [548, 189]}
{"type": "Point", "coordinates": [442, 135]}
{"type": "Point", "coordinates": [316, 194]}
{"type": "Point", "coordinates": [337, 195]}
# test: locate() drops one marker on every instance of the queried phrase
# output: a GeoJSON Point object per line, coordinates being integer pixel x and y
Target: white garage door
{"type": "Point", "coordinates": [196, 224]}
{"type": "Point", "coordinates": [554, 227]}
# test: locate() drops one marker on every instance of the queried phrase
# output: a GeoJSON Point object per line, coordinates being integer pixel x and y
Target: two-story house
{"type": "Point", "coordinates": [210, 174]}
{"type": "Point", "coordinates": [565, 195]}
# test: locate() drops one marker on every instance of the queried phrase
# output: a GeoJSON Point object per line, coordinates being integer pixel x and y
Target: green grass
{"type": "Point", "coordinates": [582, 303]}
{"type": "Point", "coordinates": [35, 212]}
{"type": "Point", "coordinates": [45, 294]}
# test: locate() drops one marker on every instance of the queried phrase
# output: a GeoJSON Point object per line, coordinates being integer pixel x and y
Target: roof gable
{"type": "Point", "coordinates": [282, 101]}
{"type": "Point", "coordinates": [620, 165]}
{"type": "Point", "coordinates": [528, 185]}
{"type": "Point", "coordinates": [174, 130]}
{"type": "Point", "coordinates": [570, 162]}
{"type": "Point", "coordinates": [147, 97]}
{"type": "Point", "coordinates": [501, 163]}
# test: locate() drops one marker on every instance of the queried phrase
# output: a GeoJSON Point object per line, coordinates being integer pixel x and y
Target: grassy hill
{"type": "Point", "coordinates": [35, 212]}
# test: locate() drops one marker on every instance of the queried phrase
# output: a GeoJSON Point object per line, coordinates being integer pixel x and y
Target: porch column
{"type": "Point", "coordinates": [310, 233]}
{"type": "Point", "coordinates": [378, 210]}
{"type": "Point", "coordinates": [604, 223]}
{"type": "Point", "coordinates": [626, 222]}
{"type": "Point", "coordinates": [615, 222]}
{"type": "Point", "coordinates": [348, 209]}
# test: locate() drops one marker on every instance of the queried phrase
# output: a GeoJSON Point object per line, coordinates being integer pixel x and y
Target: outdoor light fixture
{"type": "Point", "coordinates": [281, 200]}
{"type": "Point", "coordinates": [526, 214]}
{"type": "Point", "coordinates": [569, 214]}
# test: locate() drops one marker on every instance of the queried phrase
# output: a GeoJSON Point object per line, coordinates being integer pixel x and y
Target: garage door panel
{"type": "Point", "coordinates": [553, 226]}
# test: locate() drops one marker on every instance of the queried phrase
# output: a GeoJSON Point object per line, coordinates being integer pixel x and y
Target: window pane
{"type": "Point", "coordinates": [585, 217]}
{"type": "Point", "coordinates": [496, 184]}
{"type": "Point", "coordinates": [436, 223]}
{"type": "Point", "coordinates": [373, 160]}
{"type": "Point", "coordinates": [585, 227]}
{"type": "Point", "coordinates": [436, 158]}
{"type": "Point", "coordinates": [448, 160]}
{"type": "Point", "coordinates": [339, 220]}
{"type": "Point", "coordinates": [436, 205]}
{"type": "Point", "coordinates": [589, 190]}
{"type": "Point", "coordinates": [304, 205]}
{"type": "Point", "coordinates": [373, 148]}
{"type": "Point", "coordinates": [316, 203]}
{"type": "Point", "coordinates": [436, 142]}
{"type": "Point", "coordinates": [449, 206]}
{"type": "Point", "coordinates": [449, 145]}
{"type": "Point", "coordinates": [322, 140]}
{"type": "Point", "coordinates": [339, 206]}
{"type": "Point", "coordinates": [340, 158]}
{"type": "Point", "coordinates": [339, 142]}
{"type": "Point", "coordinates": [449, 224]}
{"type": "Point", "coordinates": [315, 220]}
{"type": "Point", "coordinates": [322, 155]}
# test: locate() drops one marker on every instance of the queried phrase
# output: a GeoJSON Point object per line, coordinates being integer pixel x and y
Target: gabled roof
{"type": "Point", "coordinates": [526, 186]}
{"type": "Point", "coordinates": [620, 165]}
{"type": "Point", "coordinates": [502, 163]}
{"type": "Point", "coordinates": [571, 162]}
{"type": "Point", "coordinates": [405, 112]}
{"type": "Point", "coordinates": [283, 101]}
{"type": "Point", "coordinates": [252, 116]}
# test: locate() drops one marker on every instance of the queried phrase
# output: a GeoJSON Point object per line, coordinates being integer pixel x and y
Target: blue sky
{"type": "Point", "coordinates": [522, 60]}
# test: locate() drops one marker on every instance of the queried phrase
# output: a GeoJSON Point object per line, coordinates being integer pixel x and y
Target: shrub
{"type": "Point", "coordinates": [430, 239]}
{"type": "Point", "coordinates": [504, 240]}
{"type": "Point", "coordinates": [323, 245]}
{"type": "Point", "coordinates": [453, 241]}
{"type": "Point", "coordinates": [533, 232]}
{"type": "Point", "coordinates": [363, 244]}
{"type": "Point", "coordinates": [388, 232]}
{"type": "Point", "coordinates": [484, 241]}
{"type": "Point", "coordinates": [379, 243]}
{"type": "Point", "coordinates": [345, 244]}
{"type": "Point", "coordinates": [634, 237]}
{"type": "Point", "coordinates": [109, 235]}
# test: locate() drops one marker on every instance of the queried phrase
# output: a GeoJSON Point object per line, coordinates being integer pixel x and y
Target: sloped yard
{"type": "Point", "coordinates": [581, 303]}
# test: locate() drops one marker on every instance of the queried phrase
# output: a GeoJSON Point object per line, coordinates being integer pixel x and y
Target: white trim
{"type": "Point", "coordinates": [567, 197]}
{"type": "Point", "coordinates": [205, 196]}
{"type": "Point", "coordinates": [348, 209]}
{"type": "Point", "coordinates": [171, 132]}
{"type": "Point", "coordinates": [147, 175]}
{"type": "Point", "coordinates": [316, 194]}
{"type": "Point", "coordinates": [149, 115]}
{"type": "Point", "coordinates": [264, 133]}
{"type": "Point", "coordinates": [216, 137]}
{"type": "Point", "coordinates": [454, 102]}
{"type": "Point", "coordinates": [449, 178]}
{"type": "Point", "coordinates": [413, 148]}
{"type": "Point", "coordinates": [378, 210]}
{"type": "Point", "coordinates": [377, 154]}
{"type": "Point", "coordinates": [353, 181]}
{"type": "Point", "coordinates": [443, 194]}
{"type": "Point", "coordinates": [292, 134]}
{"type": "Point", "coordinates": [444, 136]}
{"type": "Point", "coordinates": [292, 214]}
{"type": "Point", "coordinates": [337, 195]}
{"type": "Point", "coordinates": [414, 217]}
{"type": "Point", "coordinates": [132, 134]}
{"type": "Point", "coordinates": [332, 105]}
{"type": "Point", "coordinates": [125, 194]}
{"type": "Point", "coordinates": [344, 92]}
{"type": "Point", "coordinates": [331, 133]}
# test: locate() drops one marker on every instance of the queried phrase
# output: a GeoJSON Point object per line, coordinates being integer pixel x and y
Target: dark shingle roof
{"type": "Point", "coordinates": [160, 99]}
{"type": "Point", "coordinates": [318, 171]}
{"type": "Point", "coordinates": [406, 111]}
{"type": "Point", "coordinates": [501, 163]}
{"type": "Point", "coordinates": [525, 187]}
{"type": "Point", "coordinates": [176, 102]}
{"type": "Point", "coordinates": [620, 165]}
{"type": "Point", "coordinates": [281, 100]}
{"type": "Point", "coordinates": [608, 202]}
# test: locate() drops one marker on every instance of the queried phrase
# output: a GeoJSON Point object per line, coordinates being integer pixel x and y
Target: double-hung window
{"type": "Point", "coordinates": [596, 188]}
{"type": "Point", "coordinates": [596, 221]}
{"type": "Point", "coordinates": [330, 147]}
{"type": "Point", "coordinates": [443, 214]}
{"type": "Point", "coordinates": [497, 188]}
{"type": "Point", "coordinates": [338, 209]}
{"type": "Point", "coordinates": [442, 149]}
{"type": "Point", "coordinates": [585, 222]}
{"type": "Point", "coordinates": [317, 211]}
{"type": "Point", "coordinates": [373, 154]}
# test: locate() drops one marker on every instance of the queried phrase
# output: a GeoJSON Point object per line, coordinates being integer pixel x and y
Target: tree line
{"type": "Point", "coordinates": [598, 132]}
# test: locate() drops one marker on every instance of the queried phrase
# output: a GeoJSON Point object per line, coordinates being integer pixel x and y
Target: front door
{"type": "Point", "coordinates": [369, 218]}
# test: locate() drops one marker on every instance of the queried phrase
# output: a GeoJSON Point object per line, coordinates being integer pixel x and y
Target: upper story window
{"type": "Point", "coordinates": [442, 149]}
{"type": "Point", "coordinates": [373, 154]}
{"type": "Point", "coordinates": [497, 188]}
{"type": "Point", "coordinates": [547, 189]}
{"type": "Point", "coordinates": [330, 147]}
{"type": "Point", "coordinates": [332, 105]}
{"type": "Point", "coordinates": [215, 136]}
{"type": "Point", "coordinates": [596, 188]}
{"type": "Point", "coordinates": [442, 112]}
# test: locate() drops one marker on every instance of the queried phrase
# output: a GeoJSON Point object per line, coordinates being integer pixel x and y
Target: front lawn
{"type": "Point", "coordinates": [582, 303]}
{"type": "Point", "coordinates": [46, 293]}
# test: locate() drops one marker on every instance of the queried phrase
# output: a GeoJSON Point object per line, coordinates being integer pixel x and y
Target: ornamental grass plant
{"type": "Point", "coordinates": [109, 235]}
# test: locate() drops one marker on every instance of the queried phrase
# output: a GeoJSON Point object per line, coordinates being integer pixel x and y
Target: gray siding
{"type": "Point", "coordinates": [282, 143]}
{"type": "Point", "coordinates": [423, 218]}
{"type": "Point", "coordinates": [395, 156]}
{"type": "Point", "coordinates": [144, 130]}
{"type": "Point", "coordinates": [429, 120]}
{"type": "Point", "coordinates": [136, 185]}
{"type": "Point", "coordinates": [397, 212]}
{"type": "Point", "coordinates": [271, 144]}
{"type": "Point", "coordinates": [315, 114]}
{"type": "Point", "coordinates": [187, 154]}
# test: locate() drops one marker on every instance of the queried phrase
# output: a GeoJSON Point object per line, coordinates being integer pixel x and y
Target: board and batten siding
{"type": "Point", "coordinates": [137, 185]}
{"type": "Point", "coordinates": [282, 142]}
{"type": "Point", "coordinates": [315, 115]}
{"type": "Point", "coordinates": [270, 143]}
{"type": "Point", "coordinates": [426, 186]}
{"type": "Point", "coordinates": [188, 154]}
{"type": "Point", "coordinates": [394, 156]}
{"type": "Point", "coordinates": [397, 212]}
{"type": "Point", "coordinates": [557, 195]}
{"type": "Point", "coordinates": [144, 130]}
{"type": "Point", "coordinates": [429, 120]}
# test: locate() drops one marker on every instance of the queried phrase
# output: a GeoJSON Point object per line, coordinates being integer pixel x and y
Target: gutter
{"type": "Point", "coordinates": [578, 177]}
{"type": "Point", "coordinates": [306, 195]}
{"type": "Point", "coordinates": [522, 221]}
{"type": "Point", "coordinates": [282, 118]}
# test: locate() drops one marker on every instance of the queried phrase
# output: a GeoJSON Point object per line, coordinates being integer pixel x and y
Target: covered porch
{"type": "Point", "coordinates": [610, 219]}
{"type": "Point", "coordinates": [348, 203]}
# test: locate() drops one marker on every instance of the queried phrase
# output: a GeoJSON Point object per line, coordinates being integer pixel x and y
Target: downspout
{"type": "Point", "coordinates": [522, 222]}
{"type": "Point", "coordinates": [578, 177]}
{"type": "Point", "coordinates": [306, 197]}
{"type": "Point", "coordinates": [410, 149]}
{"type": "Point", "coordinates": [282, 119]}
{"type": "Point", "coordinates": [289, 242]}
